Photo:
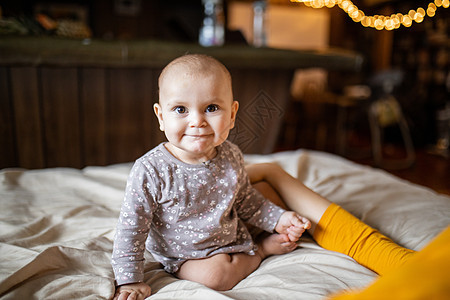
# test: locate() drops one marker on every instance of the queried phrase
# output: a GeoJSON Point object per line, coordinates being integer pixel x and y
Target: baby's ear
{"type": "Point", "coordinates": [234, 109]}
{"type": "Point", "coordinates": [158, 112]}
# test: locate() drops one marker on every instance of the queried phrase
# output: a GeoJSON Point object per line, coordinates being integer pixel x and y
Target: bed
{"type": "Point", "coordinates": [57, 227]}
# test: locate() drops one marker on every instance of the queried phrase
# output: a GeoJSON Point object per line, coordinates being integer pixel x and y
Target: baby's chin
{"type": "Point", "coordinates": [198, 151]}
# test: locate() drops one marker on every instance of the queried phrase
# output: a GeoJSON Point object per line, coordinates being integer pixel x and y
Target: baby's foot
{"type": "Point", "coordinates": [275, 244]}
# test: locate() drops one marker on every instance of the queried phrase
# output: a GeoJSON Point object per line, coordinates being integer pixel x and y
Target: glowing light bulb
{"type": "Point", "coordinates": [407, 21]}
{"type": "Point", "coordinates": [379, 22]}
{"type": "Point", "coordinates": [421, 11]}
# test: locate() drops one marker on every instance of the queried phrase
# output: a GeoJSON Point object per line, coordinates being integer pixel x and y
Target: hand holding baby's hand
{"type": "Point", "coordinates": [133, 291]}
{"type": "Point", "coordinates": [293, 225]}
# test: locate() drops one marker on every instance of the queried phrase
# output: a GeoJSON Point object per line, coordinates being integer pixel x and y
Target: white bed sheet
{"type": "Point", "coordinates": [57, 227]}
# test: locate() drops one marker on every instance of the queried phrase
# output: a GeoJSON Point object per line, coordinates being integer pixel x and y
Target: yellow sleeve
{"type": "Point", "coordinates": [426, 275]}
{"type": "Point", "coordinates": [340, 231]}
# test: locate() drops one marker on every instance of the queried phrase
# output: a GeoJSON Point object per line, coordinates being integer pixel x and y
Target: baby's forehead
{"type": "Point", "coordinates": [186, 73]}
{"type": "Point", "coordinates": [189, 70]}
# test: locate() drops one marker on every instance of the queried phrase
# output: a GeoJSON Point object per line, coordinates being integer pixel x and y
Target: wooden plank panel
{"type": "Point", "coordinates": [61, 117]}
{"type": "Point", "coordinates": [277, 85]}
{"type": "Point", "coordinates": [25, 92]}
{"type": "Point", "coordinates": [93, 107]}
{"type": "Point", "coordinates": [7, 150]}
{"type": "Point", "coordinates": [157, 136]}
{"type": "Point", "coordinates": [262, 96]}
{"type": "Point", "coordinates": [130, 112]}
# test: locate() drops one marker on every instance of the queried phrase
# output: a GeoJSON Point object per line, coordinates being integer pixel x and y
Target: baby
{"type": "Point", "coordinates": [189, 200]}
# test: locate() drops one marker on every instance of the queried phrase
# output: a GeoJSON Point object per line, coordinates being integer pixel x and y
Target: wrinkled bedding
{"type": "Point", "coordinates": [57, 227]}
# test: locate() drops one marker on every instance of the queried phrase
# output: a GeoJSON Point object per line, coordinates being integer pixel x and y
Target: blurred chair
{"type": "Point", "coordinates": [385, 111]}
{"type": "Point", "coordinates": [353, 100]}
{"type": "Point", "coordinates": [306, 120]}
{"type": "Point", "coordinates": [373, 104]}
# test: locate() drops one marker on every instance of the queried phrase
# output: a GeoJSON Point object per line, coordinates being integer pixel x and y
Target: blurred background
{"type": "Point", "coordinates": [392, 111]}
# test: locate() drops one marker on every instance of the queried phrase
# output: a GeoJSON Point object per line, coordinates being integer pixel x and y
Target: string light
{"type": "Point", "coordinates": [380, 22]}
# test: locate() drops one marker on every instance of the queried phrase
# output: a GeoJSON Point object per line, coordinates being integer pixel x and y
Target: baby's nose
{"type": "Point", "coordinates": [197, 120]}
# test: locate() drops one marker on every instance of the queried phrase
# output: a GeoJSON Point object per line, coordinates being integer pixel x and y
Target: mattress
{"type": "Point", "coordinates": [57, 227]}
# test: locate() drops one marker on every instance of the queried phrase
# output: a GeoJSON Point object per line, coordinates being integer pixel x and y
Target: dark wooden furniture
{"type": "Point", "coordinates": [73, 103]}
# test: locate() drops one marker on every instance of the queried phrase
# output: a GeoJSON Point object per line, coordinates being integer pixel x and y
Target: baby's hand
{"type": "Point", "coordinates": [293, 225]}
{"type": "Point", "coordinates": [132, 291]}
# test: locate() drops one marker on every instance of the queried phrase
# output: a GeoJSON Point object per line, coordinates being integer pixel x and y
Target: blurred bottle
{"type": "Point", "coordinates": [212, 31]}
{"type": "Point", "coordinates": [259, 23]}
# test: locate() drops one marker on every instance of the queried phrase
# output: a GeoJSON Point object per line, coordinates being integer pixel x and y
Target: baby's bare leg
{"type": "Point", "coordinates": [223, 271]}
{"type": "Point", "coordinates": [220, 272]}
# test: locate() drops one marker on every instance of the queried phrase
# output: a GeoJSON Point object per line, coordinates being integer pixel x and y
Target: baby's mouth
{"type": "Point", "coordinates": [198, 135]}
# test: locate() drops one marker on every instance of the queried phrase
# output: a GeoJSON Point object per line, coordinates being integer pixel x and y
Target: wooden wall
{"type": "Point", "coordinates": [68, 116]}
{"type": "Point", "coordinates": [76, 116]}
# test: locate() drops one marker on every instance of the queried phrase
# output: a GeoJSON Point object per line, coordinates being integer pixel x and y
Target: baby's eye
{"type": "Point", "coordinates": [180, 109]}
{"type": "Point", "coordinates": [212, 108]}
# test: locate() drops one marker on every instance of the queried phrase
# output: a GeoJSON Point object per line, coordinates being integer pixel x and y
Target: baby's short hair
{"type": "Point", "coordinates": [195, 64]}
